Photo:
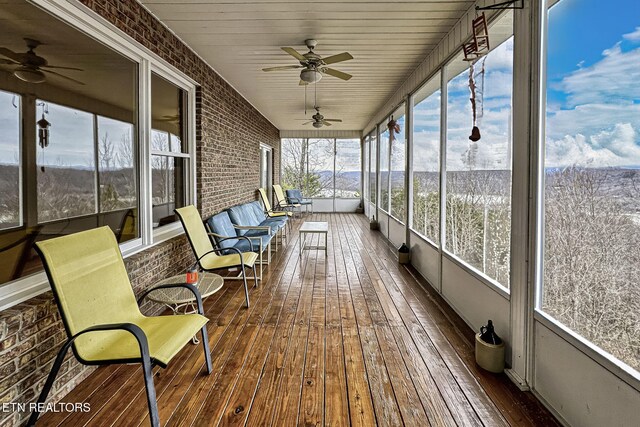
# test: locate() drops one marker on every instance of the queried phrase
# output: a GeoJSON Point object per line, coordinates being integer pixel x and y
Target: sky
{"type": "Point", "coordinates": [593, 84]}
{"type": "Point", "coordinates": [492, 151]}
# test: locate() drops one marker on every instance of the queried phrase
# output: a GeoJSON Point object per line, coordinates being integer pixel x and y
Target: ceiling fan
{"type": "Point", "coordinates": [313, 65]}
{"type": "Point", "coordinates": [318, 120]}
{"type": "Point", "coordinates": [31, 67]}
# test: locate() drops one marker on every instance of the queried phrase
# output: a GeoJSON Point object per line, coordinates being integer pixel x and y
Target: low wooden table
{"type": "Point", "coordinates": [182, 298]}
{"type": "Point", "coordinates": [313, 227]}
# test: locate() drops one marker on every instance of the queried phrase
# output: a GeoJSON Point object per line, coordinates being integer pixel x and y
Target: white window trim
{"type": "Point", "coordinates": [90, 23]}
{"type": "Point", "coordinates": [536, 274]}
{"type": "Point", "coordinates": [439, 72]}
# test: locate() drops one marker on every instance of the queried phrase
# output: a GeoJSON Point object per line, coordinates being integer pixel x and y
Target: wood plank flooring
{"type": "Point", "coordinates": [350, 338]}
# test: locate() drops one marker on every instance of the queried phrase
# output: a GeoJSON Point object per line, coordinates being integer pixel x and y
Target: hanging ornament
{"type": "Point", "coordinates": [477, 99]}
{"type": "Point", "coordinates": [479, 44]}
{"type": "Point", "coordinates": [394, 127]}
{"type": "Point", "coordinates": [43, 132]}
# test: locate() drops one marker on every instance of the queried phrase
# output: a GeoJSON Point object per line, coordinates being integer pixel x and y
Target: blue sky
{"type": "Point", "coordinates": [593, 90]}
{"type": "Point", "coordinates": [580, 30]}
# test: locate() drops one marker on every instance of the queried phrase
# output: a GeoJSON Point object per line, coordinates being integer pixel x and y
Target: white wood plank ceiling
{"type": "Point", "coordinates": [238, 38]}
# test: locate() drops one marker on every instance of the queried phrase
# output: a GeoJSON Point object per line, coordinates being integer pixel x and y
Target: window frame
{"type": "Point", "coordinates": [615, 366]}
{"type": "Point", "coordinates": [379, 132]}
{"type": "Point", "coordinates": [21, 160]}
{"type": "Point", "coordinates": [93, 25]}
{"type": "Point", "coordinates": [400, 112]}
{"type": "Point", "coordinates": [437, 74]}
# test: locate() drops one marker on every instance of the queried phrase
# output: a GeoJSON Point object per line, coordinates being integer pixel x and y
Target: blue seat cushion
{"type": "Point", "coordinates": [253, 233]}
{"type": "Point", "coordinates": [243, 245]}
{"type": "Point", "coordinates": [221, 224]}
{"type": "Point", "coordinates": [275, 223]}
{"type": "Point", "coordinates": [243, 215]}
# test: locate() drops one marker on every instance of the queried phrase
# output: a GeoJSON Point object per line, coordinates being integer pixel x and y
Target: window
{"type": "Point", "coordinates": [10, 201]}
{"type": "Point", "coordinates": [322, 167]}
{"type": "Point", "coordinates": [478, 174]}
{"type": "Point", "coordinates": [426, 160]}
{"type": "Point", "coordinates": [169, 156]}
{"type": "Point", "coordinates": [66, 168]}
{"type": "Point", "coordinates": [320, 177]}
{"type": "Point", "coordinates": [348, 169]}
{"type": "Point", "coordinates": [592, 177]}
{"type": "Point", "coordinates": [117, 160]}
{"type": "Point", "coordinates": [373, 190]}
{"type": "Point", "coordinates": [85, 171]}
{"type": "Point", "coordinates": [366, 167]}
{"type": "Point", "coordinates": [265, 168]}
{"type": "Point", "coordinates": [398, 165]}
{"type": "Point", "coordinates": [384, 168]}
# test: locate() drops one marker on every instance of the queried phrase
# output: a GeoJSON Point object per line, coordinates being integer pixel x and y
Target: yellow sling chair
{"type": "Point", "coordinates": [101, 316]}
{"type": "Point", "coordinates": [282, 200]}
{"type": "Point", "coordinates": [208, 256]}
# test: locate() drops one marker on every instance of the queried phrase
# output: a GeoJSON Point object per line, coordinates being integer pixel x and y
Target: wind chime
{"type": "Point", "coordinates": [43, 132]}
{"type": "Point", "coordinates": [475, 49]}
{"type": "Point", "coordinates": [394, 128]}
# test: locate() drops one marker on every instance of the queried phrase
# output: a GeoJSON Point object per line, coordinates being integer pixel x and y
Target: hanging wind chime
{"type": "Point", "coordinates": [477, 48]}
{"type": "Point", "coordinates": [394, 128]}
{"type": "Point", "coordinates": [43, 132]}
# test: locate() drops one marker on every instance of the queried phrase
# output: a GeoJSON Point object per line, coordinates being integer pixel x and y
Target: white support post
{"type": "Point", "coordinates": [408, 169]}
{"type": "Point", "coordinates": [527, 109]}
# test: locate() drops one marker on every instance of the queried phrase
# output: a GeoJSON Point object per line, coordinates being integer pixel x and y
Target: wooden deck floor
{"type": "Point", "coordinates": [347, 339]}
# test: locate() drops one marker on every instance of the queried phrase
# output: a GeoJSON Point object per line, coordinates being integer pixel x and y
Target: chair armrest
{"type": "Point", "coordinates": [294, 200]}
{"type": "Point", "coordinates": [266, 228]}
{"type": "Point", "coordinates": [133, 329]}
{"type": "Point", "coordinates": [188, 286]}
{"type": "Point", "coordinates": [238, 238]}
{"type": "Point", "coordinates": [219, 249]}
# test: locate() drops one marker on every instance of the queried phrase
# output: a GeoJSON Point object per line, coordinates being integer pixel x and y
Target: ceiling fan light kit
{"type": "Point", "coordinates": [31, 68]}
{"type": "Point", "coordinates": [29, 75]}
{"type": "Point", "coordinates": [310, 75]}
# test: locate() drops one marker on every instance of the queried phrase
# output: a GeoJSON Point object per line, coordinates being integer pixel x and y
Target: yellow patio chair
{"type": "Point", "coordinates": [101, 316]}
{"type": "Point", "coordinates": [211, 258]}
{"type": "Point", "coordinates": [271, 213]}
{"type": "Point", "coordinates": [282, 202]}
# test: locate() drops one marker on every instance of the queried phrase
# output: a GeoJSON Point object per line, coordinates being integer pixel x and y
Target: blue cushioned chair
{"type": "Point", "coordinates": [294, 196]}
{"type": "Point", "coordinates": [249, 220]}
{"type": "Point", "coordinates": [227, 237]}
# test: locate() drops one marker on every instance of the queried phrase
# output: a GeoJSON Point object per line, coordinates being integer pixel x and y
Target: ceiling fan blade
{"type": "Point", "coordinates": [336, 73]}
{"type": "Point", "coordinates": [284, 67]}
{"type": "Point", "coordinates": [333, 120]}
{"type": "Point", "coordinates": [326, 123]}
{"type": "Point", "coordinates": [8, 62]}
{"type": "Point", "coordinates": [302, 83]}
{"type": "Point", "coordinates": [306, 123]}
{"type": "Point", "coordinates": [344, 56]}
{"type": "Point", "coordinates": [291, 51]}
{"type": "Point", "coordinates": [10, 54]}
{"type": "Point", "coordinates": [64, 77]}
{"type": "Point", "coordinates": [61, 68]}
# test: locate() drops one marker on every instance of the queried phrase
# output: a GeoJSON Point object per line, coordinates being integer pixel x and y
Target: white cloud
{"type": "Point", "coordinates": [614, 147]}
{"type": "Point", "coordinates": [633, 36]}
{"type": "Point", "coordinates": [590, 119]}
{"type": "Point", "coordinates": [612, 79]}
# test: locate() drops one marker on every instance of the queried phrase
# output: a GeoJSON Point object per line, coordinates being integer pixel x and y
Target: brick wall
{"type": "Point", "coordinates": [228, 133]}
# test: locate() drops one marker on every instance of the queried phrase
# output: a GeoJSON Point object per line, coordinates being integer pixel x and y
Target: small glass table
{"type": "Point", "coordinates": [182, 300]}
{"type": "Point", "coordinates": [313, 227]}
